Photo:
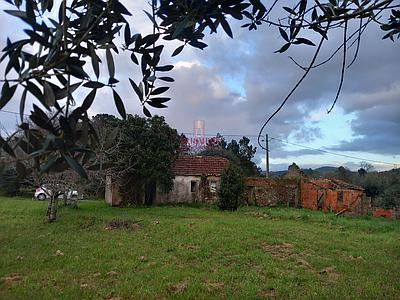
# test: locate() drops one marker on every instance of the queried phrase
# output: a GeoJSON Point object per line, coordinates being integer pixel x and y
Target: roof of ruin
{"type": "Point", "coordinates": [186, 165]}
{"type": "Point", "coordinates": [340, 184]}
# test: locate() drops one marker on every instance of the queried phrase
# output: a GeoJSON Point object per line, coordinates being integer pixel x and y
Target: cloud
{"type": "Point", "coordinates": [377, 130]}
{"type": "Point", "coordinates": [308, 134]}
{"type": "Point", "coordinates": [371, 89]}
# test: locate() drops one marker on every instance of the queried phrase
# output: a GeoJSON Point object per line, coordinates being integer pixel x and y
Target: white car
{"type": "Point", "coordinates": [43, 193]}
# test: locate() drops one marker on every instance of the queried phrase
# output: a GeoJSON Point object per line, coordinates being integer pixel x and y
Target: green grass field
{"type": "Point", "coordinates": [195, 252]}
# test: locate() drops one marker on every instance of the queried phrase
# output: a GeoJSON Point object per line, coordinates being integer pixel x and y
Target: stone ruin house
{"type": "Point", "coordinates": [295, 189]}
{"type": "Point", "coordinates": [333, 195]}
{"type": "Point", "coordinates": [196, 180]}
{"type": "Point", "coordinates": [328, 195]}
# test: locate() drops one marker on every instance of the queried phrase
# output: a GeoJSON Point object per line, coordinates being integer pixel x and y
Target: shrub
{"type": "Point", "coordinates": [390, 198]}
{"type": "Point", "coordinates": [231, 189]}
{"type": "Point", "coordinates": [9, 184]}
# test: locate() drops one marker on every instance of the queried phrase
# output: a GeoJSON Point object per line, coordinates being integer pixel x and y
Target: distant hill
{"type": "Point", "coordinates": [320, 170]}
{"type": "Point", "coordinates": [324, 170]}
{"type": "Point", "coordinates": [277, 173]}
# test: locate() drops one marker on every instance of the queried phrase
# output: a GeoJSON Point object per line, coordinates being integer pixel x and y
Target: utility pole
{"type": "Point", "coordinates": [266, 156]}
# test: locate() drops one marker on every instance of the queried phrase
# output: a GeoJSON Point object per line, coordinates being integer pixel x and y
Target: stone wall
{"type": "Point", "coordinates": [182, 190]}
{"type": "Point", "coordinates": [323, 195]}
{"type": "Point", "coordinates": [311, 191]}
{"type": "Point", "coordinates": [270, 192]}
{"type": "Point", "coordinates": [393, 213]}
{"type": "Point", "coordinates": [307, 193]}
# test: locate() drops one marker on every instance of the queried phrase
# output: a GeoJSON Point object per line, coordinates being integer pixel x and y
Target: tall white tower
{"type": "Point", "coordinates": [199, 127]}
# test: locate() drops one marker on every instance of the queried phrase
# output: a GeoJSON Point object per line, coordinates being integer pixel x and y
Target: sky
{"type": "Point", "coordinates": [234, 85]}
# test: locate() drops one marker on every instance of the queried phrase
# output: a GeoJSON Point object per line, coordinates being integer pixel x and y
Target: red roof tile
{"type": "Point", "coordinates": [199, 165]}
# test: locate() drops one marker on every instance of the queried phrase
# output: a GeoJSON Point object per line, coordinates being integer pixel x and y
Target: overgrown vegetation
{"type": "Point", "coordinates": [238, 153]}
{"type": "Point", "coordinates": [230, 192]}
{"type": "Point", "coordinates": [9, 183]}
{"type": "Point", "coordinates": [195, 253]}
{"type": "Point", "coordinates": [137, 153]}
{"type": "Point", "coordinates": [382, 187]}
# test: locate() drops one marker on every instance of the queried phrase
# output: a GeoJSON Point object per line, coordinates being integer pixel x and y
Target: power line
{"type": "Point", "coordinates": [12, 112]}
{"type": "Point", "coordinates": [223, 134]}
{"type": "Point", "coordinates": [334, 153]}
{"type": "Point", "coordinates": [305, 147]}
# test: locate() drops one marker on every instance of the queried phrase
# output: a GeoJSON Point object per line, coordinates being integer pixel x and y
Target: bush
{"type": "Point", "coordinates": [9, 184]}
{"type": "Point", "coordinates": [231, 189]}
{"type": "Point", "coordinates": [390, 198]}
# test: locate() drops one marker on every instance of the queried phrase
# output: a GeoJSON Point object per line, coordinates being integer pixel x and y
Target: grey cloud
{"type": "Point", "coordinates": [378, 131]}
{"type": "Point", "coordinates": [292, 153]}
{"type": "Point", "coordinates": [371, 85]}
{"type": "Point", "coordinates": [308, 134]}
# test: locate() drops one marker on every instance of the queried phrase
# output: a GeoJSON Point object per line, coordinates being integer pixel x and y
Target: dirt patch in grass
{"type": "Point", "coordinates": [302, 262]}
{"type": "Point", "coordinates": [331, 273]}
{"type": "Point", "coordinates": [268, 293]}
{"type": "Point", "coordinates": [111, 296]}
{"type": "Point", "coordinates": [112, 273]}
{"type": "Point", "coordinates": [178, 287]}
{"type": "Point", "coordinates": [123, 224]}
{"type": "Point", "coordinates": [12, 278]}
{"type": "Point", "coordinates": [190, 247]}
{"type": "Point", "coordinates": [283, 250]}
{"type": "Point", "coordinates": [214, 285]}
{"type": "Point", "coordinates": [89, 222]}
{"type": "Point", "coordinates": [355, 258]}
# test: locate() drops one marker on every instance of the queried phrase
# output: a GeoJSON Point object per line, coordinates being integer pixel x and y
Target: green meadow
{"type": "Point", "coordinates": [194, 252]}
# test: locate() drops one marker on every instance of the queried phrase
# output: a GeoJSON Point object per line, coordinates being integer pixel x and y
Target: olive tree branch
{"type": "Point", "coordinates": [343, 68]}
{"type": "Point", "coordinates": [307, 71]}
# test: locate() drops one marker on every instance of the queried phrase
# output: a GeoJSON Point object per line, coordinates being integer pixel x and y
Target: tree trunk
{"type": "Point", "coordinates": [52, 209]}
{"type": "Point", "coordinates": [150, 192]}
{"type": "Point", "coordinates": [65, 198]}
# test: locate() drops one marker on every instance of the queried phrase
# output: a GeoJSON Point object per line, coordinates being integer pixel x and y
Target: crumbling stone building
{"type": "Point", "coordinates": [196, 180]}
{"type": "Point", "coordinates": [317, 194]}
{"type": "Point", "coordinates": [332, 195]}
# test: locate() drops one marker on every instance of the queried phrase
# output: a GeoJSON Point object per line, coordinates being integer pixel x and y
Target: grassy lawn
{"type": "Point", "coordinates": [195, 252]}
